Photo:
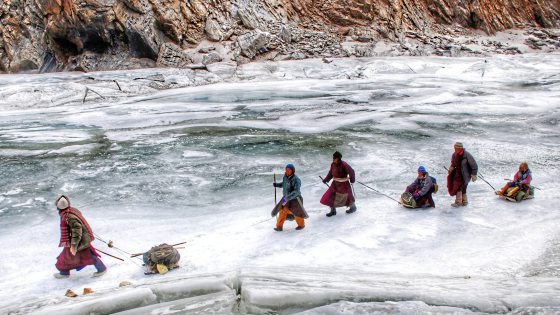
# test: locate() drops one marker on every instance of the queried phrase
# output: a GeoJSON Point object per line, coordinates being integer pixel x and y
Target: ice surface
{"type": "Point", "coordinates": [166, 160]}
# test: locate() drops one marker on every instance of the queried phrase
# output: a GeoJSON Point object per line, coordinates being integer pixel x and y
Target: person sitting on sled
{"type": "Point", "coordinates": [291, 202]}
{"type": "Point", "coordinates": [520, 187]}
{"type": "Point", "coordinates": [419, 193]}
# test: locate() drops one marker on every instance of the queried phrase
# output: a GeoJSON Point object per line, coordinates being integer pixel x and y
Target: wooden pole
{"type": "Point", "coordinates": [275, 201]}
{"type": "Point", "coordinates": [109, 254]}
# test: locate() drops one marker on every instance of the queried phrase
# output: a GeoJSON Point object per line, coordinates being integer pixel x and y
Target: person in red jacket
{"type": "Point", "coordinates": [75, 239]}
{"type": "Point", "coordinates": [340, 192]}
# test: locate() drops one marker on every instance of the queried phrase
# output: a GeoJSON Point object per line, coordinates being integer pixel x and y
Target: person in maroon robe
{"type": "Point", "coordinates": [75, 239]}
{"type": "Point", "coordinates": [340, 191]}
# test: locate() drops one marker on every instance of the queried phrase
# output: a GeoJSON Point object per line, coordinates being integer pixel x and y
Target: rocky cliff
{"type": "Point", "coordinates": [58, 35]}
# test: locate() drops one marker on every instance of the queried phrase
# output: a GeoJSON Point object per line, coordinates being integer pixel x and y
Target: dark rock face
{"type": "Point", "coordinates": [59, 35]}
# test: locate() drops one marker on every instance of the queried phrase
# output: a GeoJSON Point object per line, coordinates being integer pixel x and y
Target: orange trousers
{"type": "Point", "coordinates": [282, 217]}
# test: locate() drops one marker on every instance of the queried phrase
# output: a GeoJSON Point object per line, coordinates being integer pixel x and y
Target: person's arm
{"type": "Point", "coordinates": [527, 181]}
{"type": "Point", "coordinates": [472, 164]}
{"type": "Point", "coordinates": [451, 167]}
{"type": "Point", "coordinates": [428, 184]}
{"type": "Point", "coordinates": [350, 172]}
{"type": "Point", "coordinates": [278, 185]}
{"type": "Point", "coordinates": [296, 192]}
{"type": "Point", "coordinates": [329, 176]}
{"type": "Point", "coordinates": [412, 187]}
{"type": "Point", "coordinates": [76, 230]}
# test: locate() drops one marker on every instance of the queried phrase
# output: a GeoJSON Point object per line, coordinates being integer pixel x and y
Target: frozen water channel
{"type": "Point", "coordinates": [179, 155]}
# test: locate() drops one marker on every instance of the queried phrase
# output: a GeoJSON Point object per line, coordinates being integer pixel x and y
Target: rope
{"type": "Point", "coordinates": [377, 191]}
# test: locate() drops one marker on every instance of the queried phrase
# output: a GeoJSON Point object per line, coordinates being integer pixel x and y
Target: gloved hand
{"type": "Point", "coordinates": [273, 184]}
{"type": "Point", "coordinates": [451, 168]}
{"type": "Point", "coordinates": [325, 181]}
{"type": "Point", "coordinates": [352, 181]}
{"type": "Point", "coordinates": [473, 177]}
{"type": "Point", "coordinates": [284, 200]}
{"type": "Point", "coordinates": [415, 195]}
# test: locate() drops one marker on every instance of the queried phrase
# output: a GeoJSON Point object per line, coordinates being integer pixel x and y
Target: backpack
{"type": "Point", "coordinates": [161, 258]}
{"type": "Point", "coordinates": [436, 187]}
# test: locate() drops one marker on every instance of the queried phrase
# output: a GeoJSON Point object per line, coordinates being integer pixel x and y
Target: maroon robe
{"type": "Point", "coordinates": [341, 170]}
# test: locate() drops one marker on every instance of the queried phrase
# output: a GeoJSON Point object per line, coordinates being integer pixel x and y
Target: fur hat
{"type": "Point", "coordinates": [62, 203]}
{"type": "Point", "coordinates": [337, 155]}
{"type": "Point", "coordinates": [459, 145]}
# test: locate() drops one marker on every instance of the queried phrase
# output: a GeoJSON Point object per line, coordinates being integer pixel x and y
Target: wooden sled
{"type": "Point", "coordinates": [510, 199]}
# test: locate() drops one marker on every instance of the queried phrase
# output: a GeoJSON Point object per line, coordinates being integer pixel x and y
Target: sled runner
{"type": "Point", "coordinates": [511, 199]}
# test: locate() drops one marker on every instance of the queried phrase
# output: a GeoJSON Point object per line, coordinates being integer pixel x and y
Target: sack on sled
{"type": "Point", "coordinates": [161, 258]}
{"type": "Point", "coordinates": [407, 200]}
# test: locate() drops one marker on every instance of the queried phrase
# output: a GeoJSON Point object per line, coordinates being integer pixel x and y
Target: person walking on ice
{"type": "Point", "coordinates": [291, 202]}
{"type": "Point", "coordinates": [75, 239]}
{"type": "Point", "coordinates": [340, 192]}
{"type": "Point", "coordinates": [462, 170]}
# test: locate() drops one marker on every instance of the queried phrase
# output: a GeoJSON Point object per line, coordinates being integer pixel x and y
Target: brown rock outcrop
{"type": "Point", "coordinates": [57, 35]}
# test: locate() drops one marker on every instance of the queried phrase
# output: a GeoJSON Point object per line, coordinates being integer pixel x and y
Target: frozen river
{"type": "Point", "coordinates": [159, 155]}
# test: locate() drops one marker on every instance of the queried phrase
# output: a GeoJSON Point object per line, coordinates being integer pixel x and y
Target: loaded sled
{"type": "Point", "coordinates": [518, 196]}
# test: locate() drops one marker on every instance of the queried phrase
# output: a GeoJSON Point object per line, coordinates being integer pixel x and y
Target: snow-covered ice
{"type": "Point", "coordinates": [180, 162]}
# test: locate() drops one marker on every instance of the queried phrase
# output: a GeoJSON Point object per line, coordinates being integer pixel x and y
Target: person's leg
{"type": "Point", "coordinates": [458, 199]}
{"type": "Point", "coordinates": [513, 191]}
{"type": "Point", "coordinates": [465, 199]}
{"type": "Point", "coordinates": [300, 222]}
{"type": "Point", "coordinates": [281, 218]}
{"type": "Point", "coordinates": [333, 212]}
{"type": "Point", "coordinates": [502, 191]}
{"type": "Point", "coordinates": [99, 265]}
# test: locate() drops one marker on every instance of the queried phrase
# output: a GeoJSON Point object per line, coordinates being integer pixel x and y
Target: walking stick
{"type": "Point", "coordinates": [324, 181]}
{"type": "Point", "coordinates": [275, 202]}
{"type": "Point", "coordinates": [377, 191]}
{"type": "Point", "coordinates": [481, 177]}
{"type": "Point", "coordinates": [109, 254]}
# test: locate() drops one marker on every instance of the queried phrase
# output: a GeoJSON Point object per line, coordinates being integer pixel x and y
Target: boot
{"type": "Point", "coordinates": [300, 228]}
{"type": "Point", "coordinates": [333, 212]}
{"type": "Point", "coordinates": [513, 192]}
{"type": "Point", "coordinates": [99, 273]}
{"type": "Point", "coordinates": [465, 200]}
{"type": "Point", "coordinates": [502, 191]}
{"type": "Point", "coordinates": [278, 229]}
{"type": "Point", "coordinates": [352, 209]}
{"type": "Point", "coordinates": [61, 276]}
{"type": "Point", "coordinates": [458, 200]}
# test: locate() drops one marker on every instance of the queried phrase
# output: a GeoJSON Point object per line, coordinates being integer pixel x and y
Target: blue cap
{"type": "Point", "coordinates": [422, 169]}
{"type": "Point", "coordinates": [290, 165]}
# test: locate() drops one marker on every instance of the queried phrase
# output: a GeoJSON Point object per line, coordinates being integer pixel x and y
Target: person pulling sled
{"type": "Point", "coordinates": [340, 192]}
